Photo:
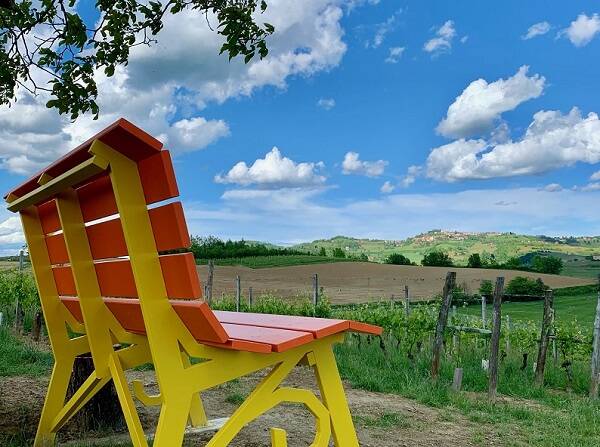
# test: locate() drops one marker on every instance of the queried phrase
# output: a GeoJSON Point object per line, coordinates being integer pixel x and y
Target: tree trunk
{"type": "Point", "coordinates": [103, 411]}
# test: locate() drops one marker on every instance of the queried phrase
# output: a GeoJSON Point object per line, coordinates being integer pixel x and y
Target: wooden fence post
{"type": "Point", "coordinates": [508, 329]}
{"type": "Point", "coordinates": [483, 310]}
{"type": "Point", "coordinates": [238, 292]}
{"type": "Point", "coordinates": [441, 323]}
{"type": "Point", "coordinates": [457, 381]}
{"type": "Point", "coordinates": [209, 281]}
{"type": "Point", "coordinates": [19, 312]}
{"type": "Point", "coordinates": [315, 291]}
{"type": "Point", "coordinates": [495, 343]}
{"type": "Point", "coordinates": [36, 329]}
{"type": "Point", "coordinates": [406, 301]}
{"type": "Point", "coordinates": [250, 296]}
{"type": "Point", "coordinates": [544, 337]}
{"type": "Point", "coordinates": [595, 382]}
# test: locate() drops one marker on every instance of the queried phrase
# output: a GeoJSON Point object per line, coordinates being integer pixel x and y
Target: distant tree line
{"type": "Point", "coordinates": [214, 248]}
{"type": "Point", "coordinates": [532, 263]}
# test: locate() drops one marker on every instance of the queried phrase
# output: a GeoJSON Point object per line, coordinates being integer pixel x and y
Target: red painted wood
{"type": "Point", "coordinates": [107, 240]}
{"type": "Point", "coordinates": [319, 327]}
{"type": "Point", "coordinates": [115, 278]}
{"type": "Point", "coordinates": [280, 339]}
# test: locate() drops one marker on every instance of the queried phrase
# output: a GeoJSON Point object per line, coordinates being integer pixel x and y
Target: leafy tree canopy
{"type": "Point", "coordinates": [547, 264]}
{"type": "Point", "coordinates": [50, 37]}
{"type": "Point", "coordinates": [437, 259]}
{"type": "Point", "coordinates": [398, 259]}
{"type": "Point", "coordinates": [474, 261]}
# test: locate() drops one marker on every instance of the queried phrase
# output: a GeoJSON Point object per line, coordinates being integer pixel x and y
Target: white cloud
{"type": "Point", "coordinates": [11, 231]}
{"type": "Point", "coordinates": [591, 187]}
{"type": "Point", "coordinates": [387, 187]}
{"type": "Point", "coordinates": [595, 176]}
{"type": "Point", "coordinates": [289, 216]}
{"type": "Point", "coordinates": [274, 172]}
{"type": "Point", "coordinates": [537, 29]}
{"type": "Point", "coordinates": [165, 86]}
{"type": "Point", "coordinates": [383, 29]}
{"type": "Point", "coordinates": [582, 30]}
{"type": "Point", "coordinates": [480, 105]}
{"type": "Point", "coordinates": [411, 176]}
{"type": "Point", "coordinates": [553, 187]}
{"type": "Point", "coordinates": [395, 55]}
{"type": "Point", "coordinates": [326, 103]}
{"type": "Point", "coordinates": [442, 43]}
{"type": "Point", "coordinates": [464, 39]}
{"type": "Point", "coordinates": [352, 164]}
{"type": "Point", "coordinates": [552, 140]}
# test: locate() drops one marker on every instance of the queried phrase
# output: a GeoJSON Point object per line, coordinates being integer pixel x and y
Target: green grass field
{"type": "Point", "coordinates": [257, 262]}
{"type": "Point", "coordinates": [567, 307]}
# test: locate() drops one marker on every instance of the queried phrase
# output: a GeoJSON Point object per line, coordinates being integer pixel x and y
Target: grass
{"type": "Point", "coordinates": [580, 306]}
{"type": "Point", "coordinates": [20, 359]}
{"type": "Point", "coordinates": [526, 415]}
{"type": "Point", "coordinates": [385, 420]}
{"type": "Point", "coordinates": [257, 262]}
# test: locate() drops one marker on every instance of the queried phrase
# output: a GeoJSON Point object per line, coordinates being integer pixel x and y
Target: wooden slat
{"type": "Point", "coordinates": [106, 239]}
{"type": "Point", "coordinates": [280, 339]}
{"type": "Point", "coordinates": [319, 327]}
{"type": "Point", "coordinates": [116, 278]}
{"type": "Point", "coordinates": [196, 315]}
{"type": "Point", "coordinates": [357, 326]}
{"type": "Point", "coordinates": [49, 217]}
{"type": "Point", "coordinates": [97, 199]}
{"type": "Point", "coordinates": [57, 249]}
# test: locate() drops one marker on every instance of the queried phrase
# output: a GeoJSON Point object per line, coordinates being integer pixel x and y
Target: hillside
{"type": "Point", "coordinates": [459, 245]}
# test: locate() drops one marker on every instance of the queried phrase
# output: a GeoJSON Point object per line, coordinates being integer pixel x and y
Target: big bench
{"type": "Point", "coordinates": [98, 241]}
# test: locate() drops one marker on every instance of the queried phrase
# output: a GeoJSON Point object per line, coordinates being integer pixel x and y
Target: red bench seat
{"type": "Point", "coordinates": [234, 330]}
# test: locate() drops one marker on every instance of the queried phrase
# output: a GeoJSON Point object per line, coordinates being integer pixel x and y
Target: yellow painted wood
{"type": "Point", "coordinates": [78, 174]}
{"type": "Point", "coordinates": [140, 394]}
{"type": "Point", "coordinates": [334, 397]}
{"type": "Point", "coordinates": [278, 438]}
{"type": "Point", "coordinates": [93, 309]}
{"type": "Point", "coordinates": [65, 350]}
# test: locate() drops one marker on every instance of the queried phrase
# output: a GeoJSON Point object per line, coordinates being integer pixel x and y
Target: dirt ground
{"type": "Point", "coordinates": [348, 282]}
{"type": "Point", "coordinates": [409, 423]}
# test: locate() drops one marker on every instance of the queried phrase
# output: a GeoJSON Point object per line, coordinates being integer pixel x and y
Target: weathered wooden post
{"type": "Point", "coordinates": [508, 330]}
{"type": "Point", "coordinates": [250, 296]}
{"type": "Point", "coordinates": [595, 382]}
{"type": "Point", "coordinates": [483, 310]}
{"type": "Point", "coordinates": [544, 338]}
{"type": "Point", "coordinates": [441, 323]}
{"type": "Point", "coordinates": [19, 312]}
{"type": "Point", "coordinates": [238, 293]}
{"type": "Point", "coordinates": [36, 328]}
{"type": "Point", "coordinates": [495, 342]}
{"type": "Point", "coordinates": [315, 291]}
{"type": "Point", "coordinates": [553, 333]}
{"type": "Point", "coordinates": [457, 380]}
{"type": "Point", "coordinates": [406, 301]}
{"type": "Point", "coordinates": [209, 281]}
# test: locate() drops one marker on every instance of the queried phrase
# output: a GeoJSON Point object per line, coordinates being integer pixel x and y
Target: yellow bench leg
{"type": "Point", "coordinates": [334, 397]}
{"type": "Point", "coordinates": [55, 400]}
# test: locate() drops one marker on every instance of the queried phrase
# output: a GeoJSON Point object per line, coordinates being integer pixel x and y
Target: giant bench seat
{"type": "Point", "coordinates": [108, 247]}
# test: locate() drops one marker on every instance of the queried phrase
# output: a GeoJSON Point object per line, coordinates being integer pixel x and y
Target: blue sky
{"type": "Point", "coordinates": [390, 118]}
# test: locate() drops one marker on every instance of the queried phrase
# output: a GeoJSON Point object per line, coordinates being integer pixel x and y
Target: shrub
{"type": "Point", "coordinates": [338, 253]}
{"type": "Point", "coordinates": [322, 252]}
{"type": "Point", "coordinates": [547, 264]}
{"type": "Point", "coordinates": [437, 259]}
{"type": "Point", "coordinates": [398, 259]}
{"type": "Point", "coordinates": [486, 288]}
{"type": "Point", "coordinates": [474, 261]}
{"type": "Point", "coordinates": [521, 285]}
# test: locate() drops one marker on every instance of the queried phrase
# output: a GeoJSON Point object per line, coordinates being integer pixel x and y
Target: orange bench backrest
{"type": "Point", "coordinates": [105, 234]}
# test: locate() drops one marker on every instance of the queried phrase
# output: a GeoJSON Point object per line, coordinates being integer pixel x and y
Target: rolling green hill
{"type": "Point", "coordinates": [460, 245]}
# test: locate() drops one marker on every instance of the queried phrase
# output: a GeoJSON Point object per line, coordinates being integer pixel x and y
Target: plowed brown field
{"type": "Point", "coordinates": [350, 282]}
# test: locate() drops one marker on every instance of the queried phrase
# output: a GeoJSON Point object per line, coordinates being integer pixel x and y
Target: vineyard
{"type": "Point", "coordinates": [555, 413]}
